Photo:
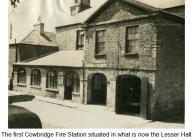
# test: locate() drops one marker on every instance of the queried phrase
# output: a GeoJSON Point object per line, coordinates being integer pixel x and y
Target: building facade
{"type": "Point", "coordinates": [36, 44]}
{"type": "Point", "coordinates": [126, 55]}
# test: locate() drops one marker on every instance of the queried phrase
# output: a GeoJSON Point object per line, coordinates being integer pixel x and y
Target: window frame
{"type": "Point", "coordinates": [35, 78]}
{"type": "Point", "coordinates": [75, 79]}
{"type": "Point", "coordinates": [134, 38]}
{"type": "Point", "coordinates": [51, 82]}
{"type": "Point", "coordinates": [77, 39]}
{"type": "Point", "coordinates": [21, 78]}
{"type": "Point", "coordinates": [97, 48]}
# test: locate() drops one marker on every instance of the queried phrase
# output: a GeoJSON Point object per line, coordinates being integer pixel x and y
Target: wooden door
{"type": "Point", "coordinates": [144, 98]}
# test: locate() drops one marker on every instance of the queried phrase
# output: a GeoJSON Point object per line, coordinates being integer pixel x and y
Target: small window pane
{"type": "Point", "coordinates": [72, 80]}
{"type": "Point", "coordinates": [132, 39]}
{"type": "Point", "coordinates": [52, 79]}
{"type": "Point", "coordinates": [100, 42]}
{"type": "Point", "coordinates": [80, 39]}
{"type": "Point", "coordinates": [21, 76]}
{"type": "Point", "coordinates": [35, 77]}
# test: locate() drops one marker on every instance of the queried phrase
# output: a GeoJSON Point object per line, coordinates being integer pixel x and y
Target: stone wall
{"type": "Point", "coordinates": [111, 76]}
{"type": "Point", "coordinates": [66, 37]}
{"type": "Point", "coordinates": [115, 46]}
{"type": "Point", "coordinates": [170, 71]}
{"type": "Point", "coordinates": [42, 90]}
{"type": "Point", "coordinates": [116, 61]}
{"type": "Point", "coordinates": [118, 11]}
{"type": "Point", "coordinates": [159, 57]}
{"type": "Point", "coordinates": [12, 58]}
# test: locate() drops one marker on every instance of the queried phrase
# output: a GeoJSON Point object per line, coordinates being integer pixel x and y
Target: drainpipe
{"type": "Point", "coordinates": [83, 100]}
{"type": "Point", "coordinates": [16, 52]}
{"type": "Point", "coordinates": [16, 58]}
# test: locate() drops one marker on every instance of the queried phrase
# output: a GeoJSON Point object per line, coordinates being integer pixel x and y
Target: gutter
{"type": "Point", "coordinates": [63, 26]}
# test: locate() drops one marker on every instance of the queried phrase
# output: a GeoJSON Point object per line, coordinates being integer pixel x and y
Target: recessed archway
{"type": "Point", "coordinates": [128, 94]}
{"type": "Point", "coordinates": [97, 88]}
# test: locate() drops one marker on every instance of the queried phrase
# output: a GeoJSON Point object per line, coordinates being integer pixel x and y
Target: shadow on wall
{"type": "Point", "coordinates": [157, 112]}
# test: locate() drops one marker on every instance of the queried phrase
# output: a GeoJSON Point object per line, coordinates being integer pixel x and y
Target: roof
{"type": "Point", "coordinates": [51, 36]}
{"type": "Point", "coordinates": [35, 38]}
{"type": "Point", "coordinates": [172, 16]}
{"type": "Point", "coordinates": [141, 5]}
{"type": "Point", "coordinates": [177, 10]}
{"type": "Point", "coordinates": [82, 16]}
{"type": "Point", "coordinates": [59, 10]}
{"type": "Point", "coordinates": [85, 15]}
{"type": "Point", "coordinates": [162, 4]}
{"type": "Point", "coordinates": [72, 58]}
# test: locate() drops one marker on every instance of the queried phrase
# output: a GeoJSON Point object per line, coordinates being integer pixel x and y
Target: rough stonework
{"type": "Point", "coordinates": [170, 71]}
{"type": "Point", "coordinates": [148, 80]}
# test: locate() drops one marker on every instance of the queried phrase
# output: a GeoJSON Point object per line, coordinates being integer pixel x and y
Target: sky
{"type": "Point", "coordinates": [56, 12]}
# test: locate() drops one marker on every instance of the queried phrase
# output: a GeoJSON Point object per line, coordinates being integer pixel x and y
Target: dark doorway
{"type": "Point", "coordinates": [128, 94]}
{"type": "Point", "coordinates": [99, 89]}
{"type": "Point", "coordinates": [72, 84]}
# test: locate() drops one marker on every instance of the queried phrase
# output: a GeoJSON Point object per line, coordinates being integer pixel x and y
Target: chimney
{"type": "Point", "coordinates": [79, 6]}
{"type": "Point", "coordinates": [39, 27]}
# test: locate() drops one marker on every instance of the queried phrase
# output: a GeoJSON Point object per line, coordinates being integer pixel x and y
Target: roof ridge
{"type": "Point", "coordinates": [46, 37]}
{"type": "Point", "coordinates": [132, 2]}
{"type": "Point", "coordinates": [170, 13]}
{"type": "Point", "coordinates": [36, 38]}
{"type": "Point", "coordinates": [142, 5]}
{"type": "Point", "coordinates": [174, 7]}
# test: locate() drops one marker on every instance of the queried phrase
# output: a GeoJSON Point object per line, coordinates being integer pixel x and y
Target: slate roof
{"type": "Point", "coordinates": [35, 38]}
{"type": "Point", "coordinates": [73, 58]}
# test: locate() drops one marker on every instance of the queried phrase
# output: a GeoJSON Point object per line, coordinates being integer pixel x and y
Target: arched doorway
{"type": "Point", "coordinates": [72, 84]}
{"type": "Point", "coordinates": [128, 94]}
{"type": "Point", "coordinates": [97, 88]}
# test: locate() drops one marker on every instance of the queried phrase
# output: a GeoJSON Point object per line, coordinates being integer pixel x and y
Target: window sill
{"type": "Point", "coordinates": [53, 90]}
{"type": "Point", "coordinates": [21, 85]}
{"type": "Point", "coordinates": [79, 49]}
{"type": "Point", "coordinates": [131, 54]}
{"type": "Point", "coordinates": [36, 87]}
{"type": "Point", "coordinates": [102, 55]}
{"type": "Point", "coordinates": [76, 94]}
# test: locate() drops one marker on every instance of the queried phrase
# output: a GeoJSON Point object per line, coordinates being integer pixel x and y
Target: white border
{"type": "Point", "coordinates": [189, 75]}
{"type": "Point", "coordinates": [3, 62]}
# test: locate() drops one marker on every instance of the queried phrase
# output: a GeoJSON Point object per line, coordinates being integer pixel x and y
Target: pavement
{"type": "Point", "coordinates": [56, 113]}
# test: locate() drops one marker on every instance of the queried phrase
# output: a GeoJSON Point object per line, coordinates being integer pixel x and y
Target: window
{"type": "Point", "coordinates": [80, 39]}
{"type": "Point", "coordinates": [35, 77]}
{"type": "Point", "coordinates": [132, 38]}
{"type": "Point", "coordinates": [100, 42]}
{"type": "Point", "coordinates": [72, 80]}
{"type": "Point", "coordinates": [22, 76]}
{"type": "Point", "coordinates": [51, 80]}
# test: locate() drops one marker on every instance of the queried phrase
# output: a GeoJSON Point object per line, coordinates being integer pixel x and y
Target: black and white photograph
{"type": "Point", "coordinates": [96, 64]}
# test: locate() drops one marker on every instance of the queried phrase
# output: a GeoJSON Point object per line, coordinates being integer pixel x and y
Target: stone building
{"type": "Point", "coordinates": [126, 55]}
{"type": "Point", "coordinates": [34, 45]}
